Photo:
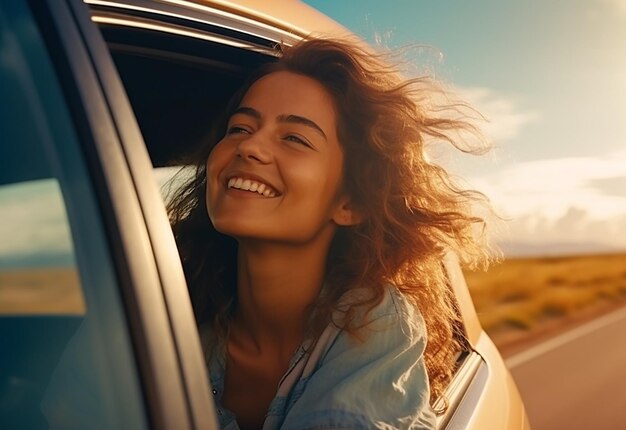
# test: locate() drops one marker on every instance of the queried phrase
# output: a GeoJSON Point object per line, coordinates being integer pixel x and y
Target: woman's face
{"type": "Point", "coordinates": [277, 173]}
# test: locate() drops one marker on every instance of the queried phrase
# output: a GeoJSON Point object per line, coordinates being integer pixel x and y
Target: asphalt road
{"type": "Point", "coordinates": [577, 379]}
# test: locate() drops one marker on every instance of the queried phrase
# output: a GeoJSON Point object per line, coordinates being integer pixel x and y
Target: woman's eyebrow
{"type": "Point", "coordinates": [296, 119]}
{"type": "Point", "coordinates": [248, 111]}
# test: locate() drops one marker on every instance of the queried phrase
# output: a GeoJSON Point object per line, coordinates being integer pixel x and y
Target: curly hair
{"type": "Point", "coordinates": [413, 214]}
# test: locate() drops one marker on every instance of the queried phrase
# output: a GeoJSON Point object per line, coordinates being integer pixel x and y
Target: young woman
{"type": "Point", "coordinates": [312, 237]}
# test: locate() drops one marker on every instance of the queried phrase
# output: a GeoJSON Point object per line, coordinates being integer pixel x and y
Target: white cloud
{"type": "Point", "coordinates": [575, 227]}
{"type": "Point", "coordinates": [504, 118]}
{"type": "Point", "coordinates": [548, 187]}
{"type": "Point", "coordinates": [560, 200]}
{"type": "Point", "coordinates": [499, 117]}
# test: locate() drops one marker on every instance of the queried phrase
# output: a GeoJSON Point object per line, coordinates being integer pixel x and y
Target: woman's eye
{"type": "Point", "coordinates": [235, 129]}
{"type": "Point", "coordinates": [298, 140]}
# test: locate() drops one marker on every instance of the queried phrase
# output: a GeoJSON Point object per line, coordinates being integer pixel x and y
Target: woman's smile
{"type": "Point", "coordinates": [252, 186]}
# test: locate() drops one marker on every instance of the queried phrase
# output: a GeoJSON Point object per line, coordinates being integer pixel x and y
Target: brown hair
{"type": "Point", "coordinates": [412, 212]}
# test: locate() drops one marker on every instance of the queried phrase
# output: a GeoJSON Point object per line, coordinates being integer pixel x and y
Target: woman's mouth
{"type": "Point", "coordinates": [252, 186]}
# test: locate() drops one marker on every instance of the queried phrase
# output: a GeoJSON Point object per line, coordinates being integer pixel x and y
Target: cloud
{"type": "Point", "coordinates": [504, 117]}
{"type": "Point", "coordinates": [611, 186]}
{"type": "Point", "coordinates": [575, 228]}
{"type": "Point", "coordinates": [563, 200]}
{"type": "Point", "coordinates": [550, 186]}
{"type": "Point", "coordinates": [499, 118]}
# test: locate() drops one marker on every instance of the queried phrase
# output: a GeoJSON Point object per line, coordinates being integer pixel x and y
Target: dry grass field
{"type": "Point", "coordinates": [522, 293]}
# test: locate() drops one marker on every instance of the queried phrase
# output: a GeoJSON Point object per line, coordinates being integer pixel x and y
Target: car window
{"type": "Point", "coordinates": [66, 360]}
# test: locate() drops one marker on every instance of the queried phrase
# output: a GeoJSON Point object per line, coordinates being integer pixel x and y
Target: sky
{"type": "Point", "coordinates": [550, 77]}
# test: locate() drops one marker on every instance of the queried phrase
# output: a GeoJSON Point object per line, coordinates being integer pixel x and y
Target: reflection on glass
{"type": "Point", "coordinates": [37, 267]}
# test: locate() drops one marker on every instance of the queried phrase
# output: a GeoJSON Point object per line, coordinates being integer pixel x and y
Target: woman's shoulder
{"type": "Point", "coordinates": [394, 322]}
{"type": "Point", "coordinates": [397, 303]}
{"type": "Point", "coordinates": [394, 312]}
{"type": "Point", "coordinates": [376, 379]}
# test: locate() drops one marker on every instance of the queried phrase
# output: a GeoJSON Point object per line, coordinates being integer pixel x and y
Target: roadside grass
{"type": "Point", "coordinates": [521, 293]}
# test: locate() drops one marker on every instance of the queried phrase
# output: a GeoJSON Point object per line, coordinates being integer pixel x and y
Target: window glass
{"type": "Point", "coordinates": [66, 360]}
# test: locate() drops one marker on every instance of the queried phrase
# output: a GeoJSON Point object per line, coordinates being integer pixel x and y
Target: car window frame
{"type": "Point", "coordinates": [195, 20]}
{"type": "Point", "coordinates": [163, 331]}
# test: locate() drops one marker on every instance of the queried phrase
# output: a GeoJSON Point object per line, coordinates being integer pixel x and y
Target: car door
{"type": "Point", "coordinates": [96, 327]}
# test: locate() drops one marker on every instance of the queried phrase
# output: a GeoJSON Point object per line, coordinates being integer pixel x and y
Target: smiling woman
{"type": "Point", "coordinates": [313, 235]}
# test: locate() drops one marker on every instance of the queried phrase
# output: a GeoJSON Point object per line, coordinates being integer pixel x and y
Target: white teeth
{"type": "Point", "coordinates": [250, 185]}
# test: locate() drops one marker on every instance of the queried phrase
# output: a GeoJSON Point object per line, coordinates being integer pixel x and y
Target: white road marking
{"type": "Point", "coordinates": [564, 338]}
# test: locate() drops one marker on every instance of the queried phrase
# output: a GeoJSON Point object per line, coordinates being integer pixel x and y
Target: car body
{"type": "Point", "coordinates": [96, 324]}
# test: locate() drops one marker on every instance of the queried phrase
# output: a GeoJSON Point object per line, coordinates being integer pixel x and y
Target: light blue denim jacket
{"type": "Point", "coordinates": [346, 383]}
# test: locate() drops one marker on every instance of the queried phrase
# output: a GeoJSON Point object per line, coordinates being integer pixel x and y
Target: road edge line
{"type": "Point", "coordinates": [562, 339]}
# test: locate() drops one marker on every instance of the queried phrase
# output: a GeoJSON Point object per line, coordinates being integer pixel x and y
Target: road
{"type": "Point", "coordinates": [577, 379]}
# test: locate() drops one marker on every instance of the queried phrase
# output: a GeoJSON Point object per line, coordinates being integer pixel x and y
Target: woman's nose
{"type": "Point", "coordinates": [255, 147]}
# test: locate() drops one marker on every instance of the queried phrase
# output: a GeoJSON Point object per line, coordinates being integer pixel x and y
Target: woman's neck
{"type": "Point", "coordinates": [276, 286]}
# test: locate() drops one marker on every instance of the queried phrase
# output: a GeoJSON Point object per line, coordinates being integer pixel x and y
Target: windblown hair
{"type": "Point", "coordinates": [413, 214]}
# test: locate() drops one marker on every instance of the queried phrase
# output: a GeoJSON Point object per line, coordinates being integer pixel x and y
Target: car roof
{"type": "Point", "coordinates": [289, 15]}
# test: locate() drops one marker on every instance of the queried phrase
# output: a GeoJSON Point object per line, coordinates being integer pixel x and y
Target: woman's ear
{"type": "Point", "coordinates": [346, 214]}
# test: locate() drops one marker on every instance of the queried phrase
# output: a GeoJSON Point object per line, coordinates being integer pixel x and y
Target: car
{"type": "Point", "coordinates": [101, 101]}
